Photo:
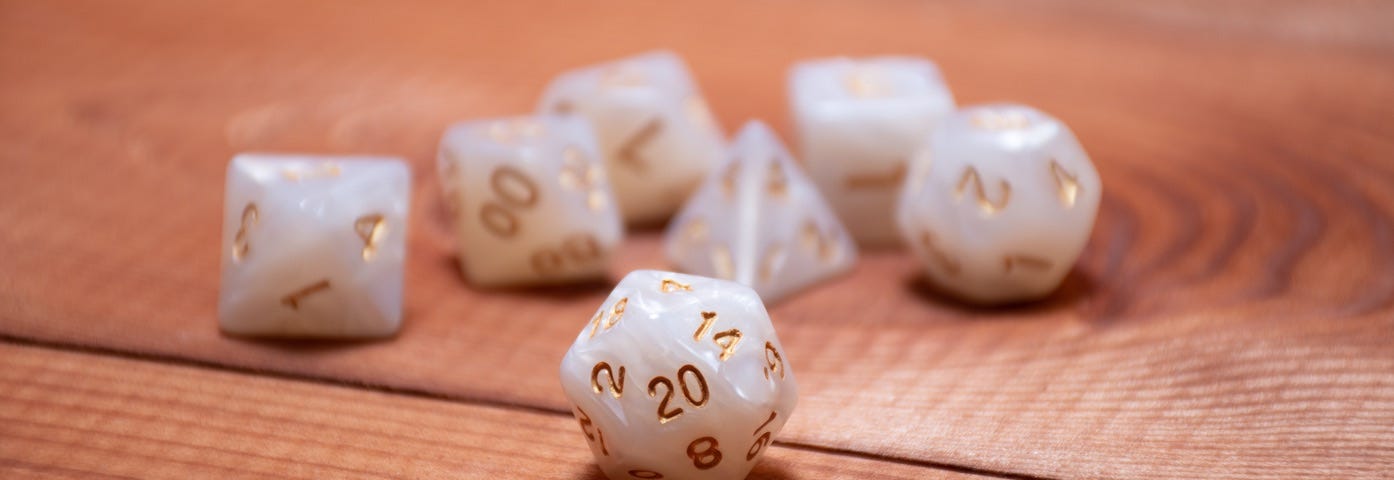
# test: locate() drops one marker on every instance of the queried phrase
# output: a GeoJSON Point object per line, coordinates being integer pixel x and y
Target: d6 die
{"type": "Point", "coordinates": [530, 200]}
{"type": "Point", "coordinates": [759, 221]}
{"type": "Point", "coordinates": [858, 123]}
{"type": "Point", "coordinates": [313, 246]}
{"type": "Point", "coordinates": [655, 132]}
{"type": "Point", "coordinates": [1000, 203]}
{"type": "Point", "coordinates": [679, 377]}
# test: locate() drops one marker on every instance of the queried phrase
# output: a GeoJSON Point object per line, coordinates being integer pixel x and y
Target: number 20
{"type": "Point", "coordinates": [665, 415]}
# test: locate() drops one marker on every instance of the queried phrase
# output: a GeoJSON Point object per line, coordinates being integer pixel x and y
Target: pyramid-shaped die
{"type": "Point", "coordinates": [759, 220]}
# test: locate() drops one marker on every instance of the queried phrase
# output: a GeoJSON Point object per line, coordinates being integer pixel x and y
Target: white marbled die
{"type": "Point", "coordinates": [759, 221]}
{"type": "Point", "coordinates": [313, 246]}
{"type": "Point", "coordinates": [858, 122]}
{"type": "Point", "coordinates": [655, 132]}
{"type": "Point", "coordinates": [999, 203]}
{"type": "Point", "coordinates": [530, 199]}
{"type": "Point", "coordinates": [679, 377]}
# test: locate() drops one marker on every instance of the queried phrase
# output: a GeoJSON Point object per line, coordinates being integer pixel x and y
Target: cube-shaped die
{"type": "Point", "coordinates": [530, 199]}
{"type": "Point", "coordinates": [655, 132]}
{"type": "Point", "coordinates": [759, 221]}
{"type": "Point", "coordinates": [858, 122]}
{"type": "Point", "coordinates": [313, 246]}
{"type": "Point", "coordinates": [999, 203]}
{"type": "Point", "coordinates": [679, 377]}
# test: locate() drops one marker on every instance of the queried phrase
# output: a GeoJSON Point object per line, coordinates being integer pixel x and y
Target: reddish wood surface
{"type": "Point", "coordinates": [1231, 317]}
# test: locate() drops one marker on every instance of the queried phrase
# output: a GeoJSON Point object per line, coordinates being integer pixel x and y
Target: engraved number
{"type": "Point", "coordinates": [371, 228]}
{"type": "Point", "coordinates": [773, 362]}
{"type": "Point", "coordinates": [760, 442]}
{"type": "Point", "coordinates": [1066, 184]}
{"type": "Point", "coordinates": [989, 207]}
{"type": "Point", "coordinates": [628, 153]}
{"type": "Point", "coordinates": [704, 457]}
{"type": "Point", "coordinates": [576, 250]}
{"type": "Point", "coordinates": [616, 312]}
{"type": "Point", "coordinates": [645, 474]}
{"type": "Point", "coordinates": [515, 190]}
{"type": "Point", "coordinates": [664, 414]}
{"type": "Point", "coordinates": [616, 386]}
{"type": "Point", "coordinates": [727, 340]}
{"type": "Point", "coordinates": [293, 300]}
{"type": "Point", "coordinates": [586, 425]}
{"type": "Point", "coordinates": [240, 245]}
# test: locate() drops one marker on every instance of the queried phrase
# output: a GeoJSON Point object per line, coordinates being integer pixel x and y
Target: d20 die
{"type": "Point", "coordinates": [313, 246]}
{"type": "Point", "coordinates": [999, 203]}
{"type": "Point", "coordinates": [655, 132]}
{"type": "Point", "coordinates": [759, 221]}
{"type": "Point", "coordinates": [531, 201]}
{"type": "Point", "coordinates": [858, 123]}
{"type": "Point", "coordinates": [679, 377]}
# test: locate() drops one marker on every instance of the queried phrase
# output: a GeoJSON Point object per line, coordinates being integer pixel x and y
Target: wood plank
{"type": "Point", "coordinates": [66, 414]}
{"type": "Point", "coordinates": [1230, 318]}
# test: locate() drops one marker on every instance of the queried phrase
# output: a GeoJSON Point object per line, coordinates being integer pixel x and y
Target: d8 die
{"type": "Point", "coordinates": [858, 123]}
{"type": "Point", "coordinates": [1000, 203]}
{"type": "Point", "coordinates": [655, 132]}
{"type": "Point", "coordinates": [530, 199]}
{"type": "Point", "coordinates": [313, 246]}
{"type": "Point", "coordinates": [759, 221]}
{"type": "Point", "coordinates": [679, 377]}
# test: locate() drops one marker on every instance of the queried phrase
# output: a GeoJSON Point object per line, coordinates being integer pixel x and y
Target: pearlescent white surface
{"type": "Point", "coordinates": [530, 200]}
{"type": "Point", "coordinates": [658, 334]}
{"type": "Point", "coordinates": [655, 131]}
{"type": "Point", "coordinates": [759, 220]}
{"type": "Point", "coordinates": [313, 246]}
{"type": "Point", "coordinates": [999, 203]}
{"type": "Point", "coordinates": [858, 122]}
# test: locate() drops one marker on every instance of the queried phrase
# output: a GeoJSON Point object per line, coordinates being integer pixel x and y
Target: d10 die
{"type": "Point", "coordinates": [313, 246]}
{"type": "Point", "coordinates": [759, 221]}
{"type": "Point", "coordinates": [999, 203]}
{"type": "Point", "coordinates": [679, 377]}
{"type": "Point", "coordinates": [655, 132]}
{"type": "Point", "coordinates": [858, 123]}
{"type": "Point", "coordinates": [530, 199]}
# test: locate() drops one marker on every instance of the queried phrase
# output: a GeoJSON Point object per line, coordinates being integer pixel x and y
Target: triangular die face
{"type": "Point", "coordinates": [759, 220]}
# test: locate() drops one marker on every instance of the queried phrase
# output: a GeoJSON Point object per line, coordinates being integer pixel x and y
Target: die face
{"type": "Point", "coordinates": [760, 221]}
{"type": "Point", "coordinates": [313, 246]}
{"type": "Point", "coordinates": [655, 132]}
{"type": "Point", "coordinates": [859, 121]}
{"type": "Point", "coordinates": [1000, 203]}
{"type": "Point", "coordinates": [679, 376]}
{"type": "Point", "coordinates": [531, 200]}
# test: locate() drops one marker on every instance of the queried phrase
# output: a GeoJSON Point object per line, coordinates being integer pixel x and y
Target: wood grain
{"type": "Point", "coordinates": [76, 415]}
{"type": "Point", "coordinates": [1231, 317]}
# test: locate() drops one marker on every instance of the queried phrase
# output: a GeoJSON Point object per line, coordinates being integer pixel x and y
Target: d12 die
{"type": "Point", "coordinates": [679, 377]}
{"type": "Point", "coordinates": [1000, 203]}
{"type": "Point", "coordinates": [759, 221]}
{"type": "Point", "coordinates": [313, 246]}
{"type": "Point", "coordinates": [656, 134]}
{"type": "Point", "coordinates": [858, 123]}
{"type": "Point", "coordinates": [530, 200]}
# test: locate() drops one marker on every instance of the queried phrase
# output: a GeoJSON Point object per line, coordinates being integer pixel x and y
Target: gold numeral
{"type": "Point", "coordinates": [862, 82]}
{"type": "Point", "coordinates": [251, 216]}
{"type": "Point", "coordinates": [1010, 262]}
{"type": "Point", "coordinates": [664, 414]}
{"type": "Point", "coordinates": [942, 258]}
{"type": "Point", "coordinates": [645, 474]}
{"type": "Point", "coordinates": [729, 177]}
{"type": "Point", "coordinates": [514, 189]}
{"type": "Point", "coordinates": [773, 362]}
{"type": "Point", "coordinates": [371, 228]}
{"type": "Point", "coordinates": [669, 285]}
{"type": "Point", "coordinates": [1000, 120]}
{"type": "Point", "coordinates": [293, 300]}
{"type": "Point", "coordinates": [777, 183]}
{"type": "Point", "coordinates": [760, 442]}
{"type": "Point", "coordinates": [577, 249]}
{"type": "Point", "coordinates": [581, 175]}
{"type": "Point", "coordinates": [989, 207]}
{"type": "Point", "coordinates": [628, 153]}
{"type": "Point", "coordinates": [727, 340]}
{"type": "Point", "coordinates": [608, 321]}
{"type": "Point", "coordinates": [722, 263]}
{"type": "Point", "coordinates": [1066, 184]}
{"type": "Point", "coordinates": [825, 246]}
{"type": "Point", "coordinates": [704, 458]}
{"type": "Point", "coordinates": [586, 425]}
{"type": "Point", "coordinates": [616, 386]}
{"type": "Point", "coordinates": [321, 170]}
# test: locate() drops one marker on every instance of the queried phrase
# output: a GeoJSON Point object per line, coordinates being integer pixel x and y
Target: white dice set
{"type": "Point", "coordinates": [676, 376]}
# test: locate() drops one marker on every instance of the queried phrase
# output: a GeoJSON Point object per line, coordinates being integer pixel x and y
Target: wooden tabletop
{"type": "Point", "coordinates": [1232, 316]}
